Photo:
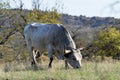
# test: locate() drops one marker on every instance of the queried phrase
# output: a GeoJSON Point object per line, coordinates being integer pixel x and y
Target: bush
{"type": "Point", "coordinates": [108, 42]}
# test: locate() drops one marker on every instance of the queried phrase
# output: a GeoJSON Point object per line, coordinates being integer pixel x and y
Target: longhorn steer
{"type": "Point", "coordinates": [56, 40]}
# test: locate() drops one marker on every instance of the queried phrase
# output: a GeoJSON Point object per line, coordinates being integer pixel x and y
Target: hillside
{"type": "Point", "coordinates": [83, 21]}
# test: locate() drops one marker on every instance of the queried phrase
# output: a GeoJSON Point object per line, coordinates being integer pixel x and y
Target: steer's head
{"type": "Point", "coordinates": [74, 57]}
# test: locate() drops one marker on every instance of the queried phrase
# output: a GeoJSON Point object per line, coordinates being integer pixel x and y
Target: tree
{"type": "Point", "coordinates": [48, 16]}
{"type": "Point", "coordinates": [19, 17]}
{"type": "Point", "coordinates": [108, 42]}
{"type": "Point", "coordinates": [12, 23]}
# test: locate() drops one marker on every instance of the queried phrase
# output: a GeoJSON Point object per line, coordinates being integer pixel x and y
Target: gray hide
{"type": "Point", "coordinates": [54, 39]}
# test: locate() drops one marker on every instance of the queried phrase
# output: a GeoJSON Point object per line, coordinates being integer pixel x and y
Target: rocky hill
{"type": "Point", "coordinates": [83, 21]}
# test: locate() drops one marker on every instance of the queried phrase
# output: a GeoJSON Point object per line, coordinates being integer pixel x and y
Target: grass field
{"type": "Point", "coordinates": [89, 71]}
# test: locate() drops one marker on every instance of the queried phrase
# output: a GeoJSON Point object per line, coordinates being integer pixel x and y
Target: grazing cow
{"type": "Point", "coordinates": [54, 39]}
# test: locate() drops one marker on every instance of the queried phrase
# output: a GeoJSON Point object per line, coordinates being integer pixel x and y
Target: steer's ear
{"type": "Point", "coordinates": [67, 53]}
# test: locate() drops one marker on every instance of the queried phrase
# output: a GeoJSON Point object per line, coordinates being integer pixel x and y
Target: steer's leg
{"type": "Point", "coordinates": [32, 58]}
{"type": "Point", "coordinates": [66, 64]}
{"type": "Point", "coordinates": [50, 55]}
{"type": "Point", "coordinates": [30, 48]}
{"type": "Point", "coordinates": [38, 54]}
{"type": "Point", "coordinates": [50, 63]}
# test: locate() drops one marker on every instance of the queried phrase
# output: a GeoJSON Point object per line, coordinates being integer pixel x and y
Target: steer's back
{"type": "Point", "coordinates": [41, 35]}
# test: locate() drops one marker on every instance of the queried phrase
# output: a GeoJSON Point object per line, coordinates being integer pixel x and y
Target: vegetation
{"type": "Point", "coordinates": [93, 33]}
{"type": "Point", "coordinates": [108, 42]}
{"type": "Point", "coordinates": [89, 71]}
{"type": "Point", "coordinates": [43, 17]}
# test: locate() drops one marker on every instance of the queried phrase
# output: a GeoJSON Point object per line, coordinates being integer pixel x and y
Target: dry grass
{"type": "Point", "coordinates": [89, 71]}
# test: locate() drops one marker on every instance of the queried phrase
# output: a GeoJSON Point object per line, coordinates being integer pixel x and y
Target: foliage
{"type": "Point", "coordinates": [108, 42]}
{"type": "Point", "coordinates": [14, 49]}
{"type": "Point", "coordinates": [43, 17]}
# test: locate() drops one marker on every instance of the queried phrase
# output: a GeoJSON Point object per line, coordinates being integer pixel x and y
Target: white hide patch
{"type": "Point", "coordinates": [78, 57]}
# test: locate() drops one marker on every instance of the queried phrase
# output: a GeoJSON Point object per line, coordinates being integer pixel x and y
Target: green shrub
{"type": "Point", "coordinates": [108, 42]}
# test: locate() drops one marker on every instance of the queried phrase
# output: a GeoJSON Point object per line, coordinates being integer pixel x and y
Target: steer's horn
{"type": "Point", "coordinates": [67, 51]}
{"type": "Point", "coordinates": [82, 48]}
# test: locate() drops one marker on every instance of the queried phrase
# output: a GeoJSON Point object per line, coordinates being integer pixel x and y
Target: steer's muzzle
{"type": "Point", "coordinates": [77, 67]}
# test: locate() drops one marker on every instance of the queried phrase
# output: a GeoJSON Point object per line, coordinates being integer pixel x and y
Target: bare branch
{"type": "Point", "coordinates": [7, 36]}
